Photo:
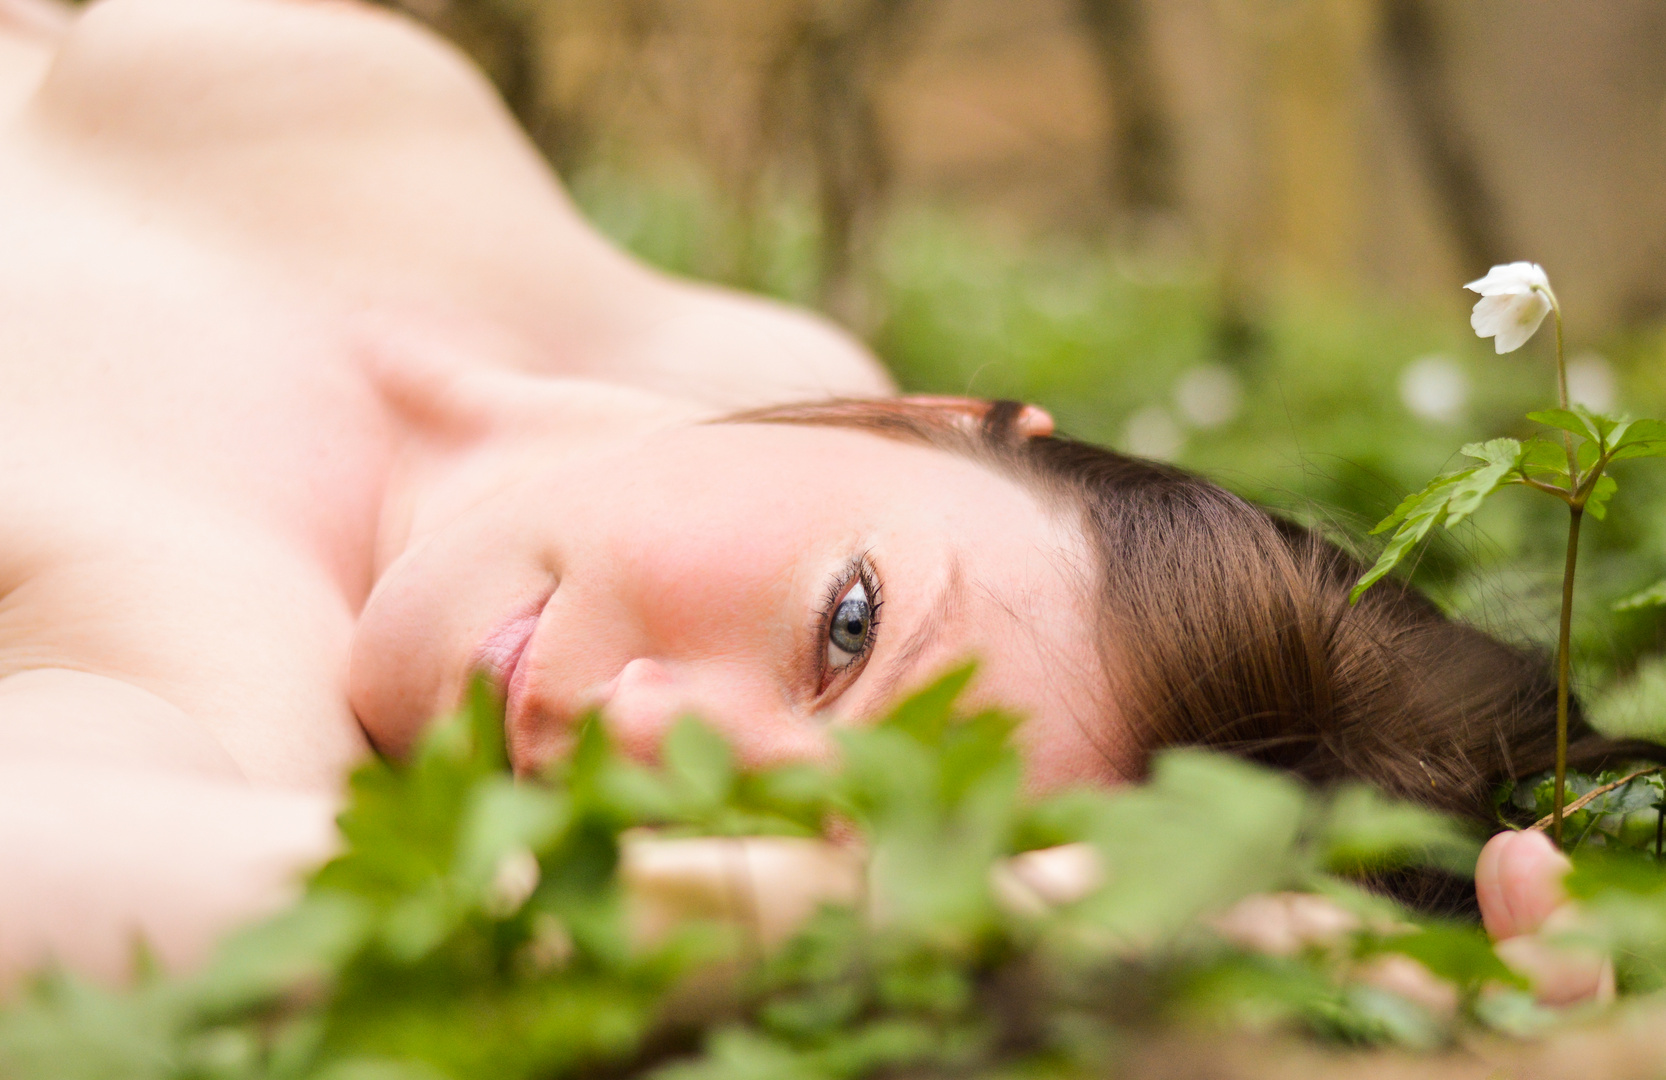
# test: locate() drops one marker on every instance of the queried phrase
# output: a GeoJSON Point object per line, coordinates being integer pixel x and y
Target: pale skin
{"type": "Point", "coordinates": [319, 395]}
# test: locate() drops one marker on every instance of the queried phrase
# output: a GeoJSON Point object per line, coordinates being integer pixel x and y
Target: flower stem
{"type": "Point", "coordinates": [1561, 365]}
{"type": "Point", "coordinates": [1563, 641]}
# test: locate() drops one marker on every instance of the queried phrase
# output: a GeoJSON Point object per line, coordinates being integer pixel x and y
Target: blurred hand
{"type": "Point", "coordinates": [1518, 881]}
{"type": "Point", "coordinates": [767, 885]}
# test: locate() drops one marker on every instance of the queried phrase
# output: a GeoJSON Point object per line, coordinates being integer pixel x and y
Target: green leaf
{"type": "Point", "coordinates": [1363, 832]}
{"type": "Point", "coordinates": [738, 1054]}
{"type": "Point", "coordinates": [1453, 497]}
{"type": "Point", "coordinates": [307, 943]}
{"type": "Point", "coordinates": [1643, 438]}
{"type": "Point", "coordinates": [1596, 503]}
{"type": "Point", "coordinates": [1567, 420]}
{"type": "Point", "coordinates": [1458, 952]}
{"type": "Point", "coordinates": [1503, 456]}
{"type": "Point", "coordinates": [1494, 451]}
{"type": "Point", "coordinates": [926, 714]}
{"type": "Point", "coordinates": [1206, 831]}
{"type": "Point", "coordinates": [1653, 595]}
{"type": "Point", "coordinates": [1544, 456]}
{"type": "Point", "coordinates": [503, 816]}
{"type": "Point", "coordinates": [1425, 509]}
{"type": "Point", "coordinates": [68, 1029]}
{"type": "Point", "coordinates": [1405, 507]}
{"type": "Point", "coordinates": [367, 1068]}
{"type": "Point", "coordinates": [699, 764]}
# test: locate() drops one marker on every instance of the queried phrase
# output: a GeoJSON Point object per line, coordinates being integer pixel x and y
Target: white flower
{"type": "Point", "coordinates": [1515, 298]}
{"type": "Point", "coordinates": [1209, 395]}
{"type": "Point", "coordinates": [1434, 388]}
{"type": "Point", "coordinates": [1152, 433]}
{"type": "Point", "coordinates": [1591, 382]}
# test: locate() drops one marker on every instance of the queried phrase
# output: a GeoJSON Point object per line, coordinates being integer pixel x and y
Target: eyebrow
{"type": "Point", "coordinates": [906, 657]}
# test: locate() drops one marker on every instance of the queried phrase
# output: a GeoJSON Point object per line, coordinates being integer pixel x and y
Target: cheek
{"type": "Point", "coordinates": [714, 576]}
{"type": "Point", "coordinates": [416, 639]}
{"type": "Point", "coordinates": [699, 596]}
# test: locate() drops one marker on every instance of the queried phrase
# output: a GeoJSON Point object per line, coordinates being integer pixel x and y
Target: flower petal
{"type": "Point", "coordinates": [1490, 314]}
{"type": "Point", "coordinates": [1509, 318]}
{"type": "Point", "coordinates": [1511, 278]}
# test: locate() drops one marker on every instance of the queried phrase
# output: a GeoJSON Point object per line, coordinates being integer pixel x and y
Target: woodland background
{"type": "Point", "coordinates": [1227, 232]}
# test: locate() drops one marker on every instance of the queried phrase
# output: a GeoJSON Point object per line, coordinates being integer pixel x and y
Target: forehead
{"type": "Point", "coordinates": [995, 572]}
{"type": "Point", "coordinates": [837, 472]}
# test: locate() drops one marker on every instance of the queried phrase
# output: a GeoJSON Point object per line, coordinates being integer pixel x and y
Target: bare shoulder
{"type": "Point", "coordinates": [178, 70]}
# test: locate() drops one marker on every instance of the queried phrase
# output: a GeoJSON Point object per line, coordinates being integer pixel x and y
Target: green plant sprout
{"type": "Point", "coordinates": [1514, 301]}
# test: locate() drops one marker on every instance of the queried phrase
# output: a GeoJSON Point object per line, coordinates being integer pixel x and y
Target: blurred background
{"type": "Point", "coordinates": [1226, 233]}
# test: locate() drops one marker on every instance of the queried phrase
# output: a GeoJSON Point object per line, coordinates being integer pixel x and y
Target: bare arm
{"type": "Point", "coordinates": [119, 827]}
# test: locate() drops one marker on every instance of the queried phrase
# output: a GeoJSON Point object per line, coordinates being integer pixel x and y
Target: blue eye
{"type": "Point", "coordinates": [850, 631]}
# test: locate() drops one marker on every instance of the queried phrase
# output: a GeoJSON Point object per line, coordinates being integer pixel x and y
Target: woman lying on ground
{"type": "Point", "coordinates": [319, 395]}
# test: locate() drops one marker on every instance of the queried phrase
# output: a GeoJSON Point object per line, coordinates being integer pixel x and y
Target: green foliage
{"type": "Point", "coordinates": [1628, 815]}
{"type": "Point", "coordinates": [1653, 596]}
{"type": "Point", "coordinates": [474, 925]}
{"type": "Point", "coordinates": [1453, 497]}
{"type": "Point", "coordinates": [1575, 471]}
{"type": "Point", "coordinates": [1625, 893]}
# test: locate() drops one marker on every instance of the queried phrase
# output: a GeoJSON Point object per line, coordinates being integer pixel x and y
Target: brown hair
{"type": "Point", "coordinates": [1230, 627]}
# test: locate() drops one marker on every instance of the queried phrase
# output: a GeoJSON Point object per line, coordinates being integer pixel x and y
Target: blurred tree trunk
{"type": "Point", "coordinates": [841, 50]}
{"type": "Point", "coordinates": [1416, 61]}
{"type": "Point", "coordinates": [503, 38]}
{"type": "Point", "coordinates": [1142, 166]}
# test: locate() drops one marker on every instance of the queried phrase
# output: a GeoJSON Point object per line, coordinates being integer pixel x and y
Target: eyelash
{"type": "Point", "coordinates": [858, 569]}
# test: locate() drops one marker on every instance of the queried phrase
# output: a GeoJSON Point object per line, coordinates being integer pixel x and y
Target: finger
{"type": "Point", "coordinates": [770, 885]}
{"type": "Point", "coordinates": [1559, 974]}
{"type": "Point", "coordinates": [1518, 882]}
{"type": "Point", "coordinates": [1489, 889]}
{"type": "Point", "coordinates": [1531, 870]}
{"type": "Point", "coordinates": [1035, 882]}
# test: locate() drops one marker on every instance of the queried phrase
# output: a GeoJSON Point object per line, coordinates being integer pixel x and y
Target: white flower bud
{"type": "Point", "coordinates": [1515, 298]}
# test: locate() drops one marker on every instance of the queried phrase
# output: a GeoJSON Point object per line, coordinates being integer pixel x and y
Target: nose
{"type": "Point", "coordinates": [640, 704]}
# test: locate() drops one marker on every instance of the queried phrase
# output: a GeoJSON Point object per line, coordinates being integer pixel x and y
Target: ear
{"type": "Point", "coordinates": [1031, 422]}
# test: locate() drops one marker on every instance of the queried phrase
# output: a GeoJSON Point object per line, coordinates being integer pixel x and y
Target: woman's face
{"type": "Point", "coordinates": [775, 580]}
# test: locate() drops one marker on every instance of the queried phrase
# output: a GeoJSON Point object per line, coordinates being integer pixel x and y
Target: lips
{"type": "Point", "coordinates": [500, 655]}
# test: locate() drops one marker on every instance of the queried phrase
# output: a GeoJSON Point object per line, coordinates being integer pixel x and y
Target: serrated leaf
{"type": "Point", "coordinates": [1468, 494]}
{"type": "Point", "coordinates": [1434, 494]}
{"type": "Point", "coordinates": [1653, 595]}
{"type": "Point", "coordinates": [1608, 428]}
{"type": "Point", "coordinates": [1414, 526]}
{"type": "Point", "coordinates": [1398, 514]}
{"type": "Point", "coordinates": [1494, 451]}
